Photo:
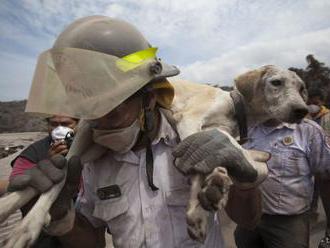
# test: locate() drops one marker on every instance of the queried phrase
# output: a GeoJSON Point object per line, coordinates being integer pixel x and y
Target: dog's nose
{"type": "Point", "coordinates": [300, 113]}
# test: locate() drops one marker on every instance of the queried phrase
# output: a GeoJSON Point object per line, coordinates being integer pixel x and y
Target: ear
{"type": "Point", "coordinates": [248, 82]}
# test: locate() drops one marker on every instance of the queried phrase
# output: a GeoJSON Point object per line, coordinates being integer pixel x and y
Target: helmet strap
{"type": "Point", "coordinates": [148, 126]}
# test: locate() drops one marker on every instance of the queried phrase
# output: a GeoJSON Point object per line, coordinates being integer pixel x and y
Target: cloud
{"type": "Point", "coordinates": [209, 40]}
{"type": "Point", "coordinates": [286, 53]}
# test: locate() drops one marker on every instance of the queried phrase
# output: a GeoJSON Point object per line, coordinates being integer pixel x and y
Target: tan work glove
{"type": "Point", "coordinates": [47, 173]}
{"type": "Point", "coordinates": [204, 151]}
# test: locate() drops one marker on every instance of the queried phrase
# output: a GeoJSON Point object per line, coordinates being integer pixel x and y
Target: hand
{"type": "Point", "coordinates": [58, 147]}
{"type": "Point", "coordinates": [204, 151]}
{"type": "Point", "coordinates": [45, 175]}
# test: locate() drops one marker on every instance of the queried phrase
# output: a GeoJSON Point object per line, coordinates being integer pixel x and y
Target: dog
{"type": "Point", "coordinates": [269, 92]}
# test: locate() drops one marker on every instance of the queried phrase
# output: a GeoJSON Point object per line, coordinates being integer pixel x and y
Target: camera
{"type": "Point", "coordinates": [69, 139]}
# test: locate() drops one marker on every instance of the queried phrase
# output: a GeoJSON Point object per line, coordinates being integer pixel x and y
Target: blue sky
{"type": "Point", "coordinates": [209, 40]}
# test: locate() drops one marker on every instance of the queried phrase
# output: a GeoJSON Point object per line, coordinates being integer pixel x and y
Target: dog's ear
{"type": "Point", "coordinates": [248, 82]}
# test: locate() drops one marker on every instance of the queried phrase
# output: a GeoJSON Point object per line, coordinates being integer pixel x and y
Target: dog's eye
{"type": "Point", "coordinates": [276, 82]}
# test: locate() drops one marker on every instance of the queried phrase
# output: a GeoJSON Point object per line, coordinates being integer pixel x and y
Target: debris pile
{"type": "Point", "coordinates": [8, 150]}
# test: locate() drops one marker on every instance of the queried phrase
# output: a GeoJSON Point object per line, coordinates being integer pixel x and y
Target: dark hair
{"type": "Point", "coordinates": [317, 92]}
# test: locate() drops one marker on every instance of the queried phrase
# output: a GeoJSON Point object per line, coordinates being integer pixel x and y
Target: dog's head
{"type": "Point", "coordinates": [274, 92]}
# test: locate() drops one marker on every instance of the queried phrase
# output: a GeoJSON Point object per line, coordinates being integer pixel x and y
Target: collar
{"type": "Point", "coordinates": [268, 129]}
{"type": "Point", "coordinates": [166, 131]}
{"type": "Point", "coordinates": [240, 115]}
{"type": "Point", "coordinates": [94, 152]}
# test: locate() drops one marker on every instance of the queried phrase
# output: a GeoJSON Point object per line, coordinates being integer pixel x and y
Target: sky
{"type": "Point", "coordinates": [211, 41]}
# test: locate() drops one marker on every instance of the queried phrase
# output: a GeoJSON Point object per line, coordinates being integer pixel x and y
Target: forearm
{"type": "Point", "coordinates": [244, 206]}
{"type": "Point", "coordinates": [83, 235]}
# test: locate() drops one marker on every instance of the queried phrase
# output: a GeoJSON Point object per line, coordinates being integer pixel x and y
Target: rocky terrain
{"type": "Point", "coordinates": [14, 119]}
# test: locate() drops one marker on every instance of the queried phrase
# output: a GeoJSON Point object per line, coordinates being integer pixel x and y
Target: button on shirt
{"type": "Point", "coordinates": [141, 217]}
{"type": "Point", "coordinates": [297, 152]}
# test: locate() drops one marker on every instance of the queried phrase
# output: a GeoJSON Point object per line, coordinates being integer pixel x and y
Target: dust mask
{"type": "Point", "coordinates": [119, 140]}
{"type": "Point", "coordinates": [60, 133]}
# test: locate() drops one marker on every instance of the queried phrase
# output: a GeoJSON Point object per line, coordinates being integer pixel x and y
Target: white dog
{"type": "Point", "coordinates": [269, 92]}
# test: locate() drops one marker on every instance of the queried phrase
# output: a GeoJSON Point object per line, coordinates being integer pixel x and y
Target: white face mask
{"type": "Point", "coordinates": [60, 132]}
{"type": "Point", "coordinates": [119, 140]}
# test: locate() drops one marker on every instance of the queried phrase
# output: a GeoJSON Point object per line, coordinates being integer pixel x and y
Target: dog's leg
{"type": "Point", "coordinates": [197, 217]}
{"type": "Point", "coordinates": [215, 188]}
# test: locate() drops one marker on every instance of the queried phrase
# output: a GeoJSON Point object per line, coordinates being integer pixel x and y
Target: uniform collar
{"type": "Point", "coordinates": [94, 152]}
{"type": "Point", "coordinates": [268, 129]}
{"type": "Point", "coordinates": [166, 133]}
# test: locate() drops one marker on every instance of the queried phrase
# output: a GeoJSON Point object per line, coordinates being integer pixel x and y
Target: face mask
{"type": "Point", "coordinates": [313, 109]}
{"type": "Point", "coordinates": [60, 133]}
{"type": "Point", "coordinates": [119, 140]}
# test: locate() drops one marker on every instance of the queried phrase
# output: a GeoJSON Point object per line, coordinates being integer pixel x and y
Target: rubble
{"type": "Point", "coordinates": [7, 150]}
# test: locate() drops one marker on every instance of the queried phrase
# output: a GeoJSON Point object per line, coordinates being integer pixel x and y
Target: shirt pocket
{"type": "Point", "coordinates": [295, 164]}
{"type": "Point", "coordinates": [112, 210]}
{"type": "Point", "coordinates": [276, 162]}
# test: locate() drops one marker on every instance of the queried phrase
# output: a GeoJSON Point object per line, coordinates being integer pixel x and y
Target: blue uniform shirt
{"type": "Point", "coordinates": [298, 151]}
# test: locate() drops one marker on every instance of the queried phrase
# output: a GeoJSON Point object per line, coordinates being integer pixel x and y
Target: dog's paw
{"type": "Point", "coordinates": [197, 221]}
{"type": "Point", "coordinates": [214, 193]}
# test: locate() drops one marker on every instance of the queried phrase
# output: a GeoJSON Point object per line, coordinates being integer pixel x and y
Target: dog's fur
{"type": "Point", "coordinates": [269, 92]}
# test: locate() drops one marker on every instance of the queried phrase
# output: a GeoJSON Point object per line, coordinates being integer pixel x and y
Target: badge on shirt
{"type": "Point", "coordinates": [288, 140]}
{"type": "Point", "coordinates": [109, 192]}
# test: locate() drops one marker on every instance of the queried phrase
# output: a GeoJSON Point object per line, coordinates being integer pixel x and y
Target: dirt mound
{"type": "Point", "coordinates": [14, 119]}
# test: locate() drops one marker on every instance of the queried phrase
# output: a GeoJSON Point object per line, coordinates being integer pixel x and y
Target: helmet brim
{"type": "Point", "coordinates": [167, 71]}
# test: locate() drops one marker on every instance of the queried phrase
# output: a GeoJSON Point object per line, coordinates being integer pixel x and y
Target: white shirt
{"type": "Point", "coordinates": [141, 217]}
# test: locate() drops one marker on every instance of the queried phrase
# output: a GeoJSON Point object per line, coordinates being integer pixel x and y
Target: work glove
{"type": "Point", "coordinates": [45, 175]}
{"type": "Point", "coordinates": [204, 151]}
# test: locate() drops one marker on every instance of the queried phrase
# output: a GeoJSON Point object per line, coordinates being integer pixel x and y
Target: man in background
{"type": "Point", "coordinates": [298, 152]}
{"type": "Point", "coordinates": [321, 115]}
{"type": "Point", "coordinates": [318, 111]}
{"type": "Point", "coordinates": [60, 132]}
